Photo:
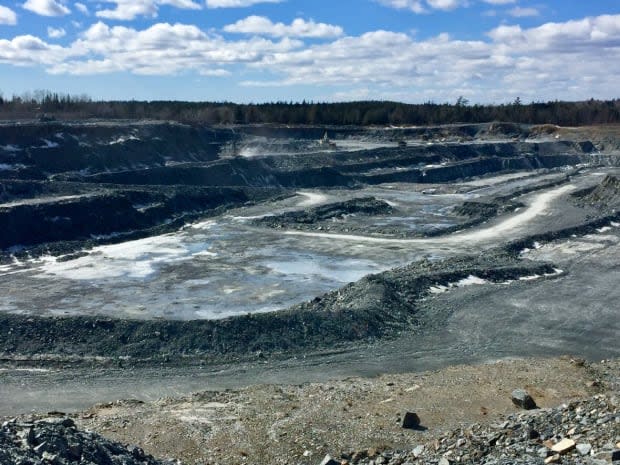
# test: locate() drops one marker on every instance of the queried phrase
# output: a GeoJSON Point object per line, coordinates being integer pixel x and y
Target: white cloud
{"type": "Point", "coordinates": [445, 5]}
{"type": "Point", "coordinates": [298, 28]}
{"type": "Point", "coordinates": [237, 3]}
{"type": "Point", "coordinates": [127, 10]}
{"type": "Point", "coordinates": [519, 12]}
{"type": "Point", "coordinates": [570, 60]}
{"type": "Point", "coordinates": [28, 50]}
{"type": "Point", "coordinates": [46, 7]}
{"type": "Point", "coordinates": [56, 33]}
{"type": "Point", "coordinates": [414, 5]}
{"type": "Point", "coordinates": [215, 72]}
{"type": "Point", "coordinates": [162, 49]}
{"type": "Point", "coordinates": [424, 6]}
{"type": "Point", "coordinates": [556, 60]}
{"type": "Point", "coordinates": [7, 16]}
{"type": "Point", "coordinates": [82, 8]}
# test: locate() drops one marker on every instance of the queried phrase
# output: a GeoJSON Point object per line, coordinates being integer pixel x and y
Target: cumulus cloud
{"type": "Point", "coordinates": [519, 12]}
{"type": "Point", "coordinates": [127, 10]}
{"type": "Point", "coordinates": [81, 8]}
{"type": "Point", "coordinates": [28, 50]}
{"type": "Point", "coordinates": [424, 6]}
{"type": "Point", "coordinates": [56, 33]}
{"type": "Point", "coordinates": [46, 7]}
{"type": "Point", "coordinates": [569, 60]}
{"type": "Point", "coordinates": [237, 3]}
{"type": "Point", "coordinates": [162, 49]}
{"type": "Point", "coordinates": [554, 60]}
{"type": "Point", "coordinates": [7, 16]}
{"type": "Point", "coordinates": [215, 72]}
{"type": "Point", "coordinates": [298, 28]}
{"type": "Point", "coordinates": [445, 5]}
{"type": "Point", "coordinates": [414, 5]}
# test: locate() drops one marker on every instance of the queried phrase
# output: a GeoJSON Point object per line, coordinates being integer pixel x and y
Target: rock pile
{"type": "Point", "coordinates": [57, 441]}
{"type": "Point", "coordinates": [322, 216]}
{"type": "Point", "coordinates": [605, 196]}
{"type": "Point", "coordinates": [584, 432]}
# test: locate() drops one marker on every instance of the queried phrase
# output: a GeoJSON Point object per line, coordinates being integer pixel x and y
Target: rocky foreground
{"type": "Point", "coordinates": [466, 414]}
{"type": "Point", "coordinates": [59, 442]}
{"type": "Point", "coordinates": [579, 432]}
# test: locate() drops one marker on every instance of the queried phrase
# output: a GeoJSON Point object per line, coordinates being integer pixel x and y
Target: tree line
{"type": "Point", "coordinates": [49, 106]}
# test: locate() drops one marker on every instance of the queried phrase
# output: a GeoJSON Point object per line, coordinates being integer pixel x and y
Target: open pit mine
{"type": "Point", "coordinates": [150, 260]}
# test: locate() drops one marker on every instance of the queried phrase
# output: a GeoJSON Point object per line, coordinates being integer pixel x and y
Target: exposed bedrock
{"type": "Point", "coordinates": [379, 305]}
{"type": "Point", "coordinates": [466, 131]}
{"type": "Point", "coordinates": [605, 196]}
{"type": "Point", "coordinates": [376, 306]}
{"type": "Point", "coordinates": [233, 172]}
{"type": "Point", "coordinates": [332, 211]}
{"type": "Point", "coordinates": [111, 211]}
{"type": "Point", "coordinates": [442, 163]}
{"type": "Point", "coordinates": [38, 150]}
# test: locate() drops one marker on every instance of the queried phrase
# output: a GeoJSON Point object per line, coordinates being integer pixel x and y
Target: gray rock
{"type": "Point", "coordinates": [58, 442]}
{"type": "Point", "coordinates": [584, 449]}
{"type": "Point", "coordinates": [328, 460]}
{"type": "Point", "coordinates": [411, 420]}
{"type": "Point", "coordinates": [522, 399]}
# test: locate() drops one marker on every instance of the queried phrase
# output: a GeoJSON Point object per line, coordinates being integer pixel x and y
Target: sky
{"type": "Point", "coordinates": [488, 51]}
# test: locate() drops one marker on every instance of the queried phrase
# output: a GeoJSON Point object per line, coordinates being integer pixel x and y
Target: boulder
{"type": "Point", "coordinates": [564, 446]}
{"type": "Point", "coordinates": [584, 449]}
{"type": "Point", "coordinates": [522, 399]}
{"type": "Point", "coordinates": [411, 420]}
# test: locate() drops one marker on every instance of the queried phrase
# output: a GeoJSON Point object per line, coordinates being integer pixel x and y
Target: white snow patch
{"type": "Point", "coordinates": [471, 280]}
{"type": "Point", "coordinates": [604, 229]}
{"type": "Point", "coordinates": [439, 289]}
{"type": "Point", "coordinates": [11, 148]}
{"type": "Point", "coordinates": [538, 206]}
{"type": "Point", "coordinates": [312, 198]}
{"type": "Point", "coordinates": [204, 253]}
{"type": "Point", "coordinates": [105, 236]}
{"type": "Point", "coordinates": [48, 144]}
{"type": "Point", "coordinates": [201, 225]}
{"type": "Point", "coordinates": [122, 140]}
{"type": "Point", "coordinates": [556, 272]}
{"type": "Point", "coordinates": [249, 218]}
{"type": "Point", "coordinates": [29, 370]}
{"type": "Point", "coordinates": [602, 238]}
{"type": "Point", "coordinates": [231, 290]}
{"type": "Point", "coordinates": [133, 259]}
{"type": "Point", "coordinates": [250, 152]}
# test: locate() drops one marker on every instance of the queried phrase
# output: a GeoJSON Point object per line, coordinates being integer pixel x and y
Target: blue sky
{"type": "Point", "coordinates": [489, 51]}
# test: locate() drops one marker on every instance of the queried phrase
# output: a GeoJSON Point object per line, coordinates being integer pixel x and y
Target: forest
{"type": "Point", "coordinates": [49, 106]}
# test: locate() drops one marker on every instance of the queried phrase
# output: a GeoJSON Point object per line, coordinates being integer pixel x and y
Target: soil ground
{"type": "Point", "coordinates": [301, 423]}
